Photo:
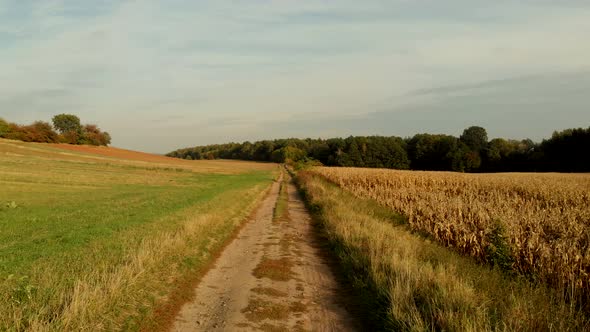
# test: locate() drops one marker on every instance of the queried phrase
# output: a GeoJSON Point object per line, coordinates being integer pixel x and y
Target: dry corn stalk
{"type": "Point", "coordinates": [545, 218]}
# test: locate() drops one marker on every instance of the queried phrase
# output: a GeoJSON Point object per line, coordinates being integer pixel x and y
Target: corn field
{"type": "Point", "coordinates": [537, 225]}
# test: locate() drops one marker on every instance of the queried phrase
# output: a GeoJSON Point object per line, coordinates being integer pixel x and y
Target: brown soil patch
{"type": "Point", "coordinates": [224, 166]}
{"type": "Point", "coordinates": [269, 292]}
{"type": "Point", "coordinates": [274, 269]}
{"type": "Point", "coordinates": [266, 327]}
{"type": "Point", "coordinates": [120, 153]}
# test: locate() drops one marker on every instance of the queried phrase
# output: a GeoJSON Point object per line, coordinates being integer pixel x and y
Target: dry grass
{"type": "Point", "coordinates": [281, 210]}
{"type": "Point", "coordinates": [35, 152]}
{"type": "Point", "coordinates": [535, 224]}
{"type": "Point", "coordinates": [406, 282]}
{"type": "Point", "coordinates": [97, 243]}
{"type": "Point", "coordinates": [259, 310]}
{"type": "Point", "coordinates": [274, 269]}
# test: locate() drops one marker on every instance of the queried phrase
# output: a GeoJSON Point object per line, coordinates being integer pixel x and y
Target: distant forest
{"type": "Point", "coordinates": [66, 128]}
{"type": "Point", "coordinates": [565, 151]}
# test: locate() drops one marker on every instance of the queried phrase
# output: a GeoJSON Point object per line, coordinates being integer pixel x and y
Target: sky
{"type": "Point", "coordinates": [162, 75]}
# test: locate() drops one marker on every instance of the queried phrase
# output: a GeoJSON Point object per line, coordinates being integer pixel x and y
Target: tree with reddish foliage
{"type": "Point", "coordinates": [92, 135]}
{"type": "Point", "coordinates": [15, 132]}
{"type": "Point", "coordinates": [68, 125]}
{"type": "Point", "coordinates": [42, 132]}
{"type": "Point", "coordinates": [39, 131]}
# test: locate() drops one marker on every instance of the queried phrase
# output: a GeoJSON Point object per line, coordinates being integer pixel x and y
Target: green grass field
{"type": "Point", "coordinates": [98, 243]}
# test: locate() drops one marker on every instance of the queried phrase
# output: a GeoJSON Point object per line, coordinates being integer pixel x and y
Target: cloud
{"type": "Point", "coordinates": [215, 71]}
{"type": "Point", "coordinates": [521, 107]}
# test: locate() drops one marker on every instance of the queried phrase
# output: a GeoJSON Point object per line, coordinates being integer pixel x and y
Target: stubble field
{"type": "Point", "coordinates": [97, 239]}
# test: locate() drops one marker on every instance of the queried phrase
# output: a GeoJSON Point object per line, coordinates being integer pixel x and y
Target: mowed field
{"type": "Point", "coordinates": [99, 238]}
{"type": "Point", "coordinates": [424, 243]}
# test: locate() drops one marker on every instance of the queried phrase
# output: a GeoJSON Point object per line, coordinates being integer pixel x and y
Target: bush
{"type": "Point", "coordinates": [498, 250]}
{"type": "Point", "coordinates": [287, 154]}
{"type": "Point", "coordinates": [92, 135]}
{"type": "Point", "coordinates": [43, 132]}
{"type": "Point", "coordinates": [3, 127]}
{"type": "Point", "coordinates": [37, 132]}
{"type": "Point", "coordinates": [306, 163]}
{"type": "Point", "coordinates": [71, 137]}
{"type": "Point", "coordinates": [14, 132]}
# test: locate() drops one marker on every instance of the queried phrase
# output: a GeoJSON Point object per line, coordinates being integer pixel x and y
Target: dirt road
{"type": "Point", "coordinates": [272, 277]}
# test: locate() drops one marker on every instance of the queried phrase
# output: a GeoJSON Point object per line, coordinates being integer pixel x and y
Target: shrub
{"type": "Point", "coordinates": [71, 132]}
{"type": "Point", "coordinates": [42, 132]}
{"type": "Point", "coordinates": [71, 137]}
{"type": "Point", "coordinates": [93, 136]}
{"type": "Point", "coordinates": [3, 127]}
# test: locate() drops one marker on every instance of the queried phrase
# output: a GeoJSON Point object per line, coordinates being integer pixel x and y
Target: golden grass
{"type": "Point", "coordinates": [274, 269]}
{"type": "Point", "coordinates": [281, 210]}
{"type": "Point", "coordinates": [406, 282]}
{"type": "Point", "coordinates": [101, 155]}
{"type": "Point", "coordinates": [543, 219]}
{"type": "Point", "coordinates": [259, 310]}
{"type": "Point", "coordinates": [98, 244]}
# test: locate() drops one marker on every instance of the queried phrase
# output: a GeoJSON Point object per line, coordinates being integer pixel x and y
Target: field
{"type": "Point", "coordinates": [535, 224]}
{"type": "Point", "coordinates": [531, 227]}
{"type": "Point", "coordinates": [99, 238]}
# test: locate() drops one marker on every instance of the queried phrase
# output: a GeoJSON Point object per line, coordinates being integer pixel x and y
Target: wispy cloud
{"type": "Point", "coordinates": [227, 70]}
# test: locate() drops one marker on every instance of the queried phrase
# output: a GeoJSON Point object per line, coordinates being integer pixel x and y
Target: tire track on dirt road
{"type": "Point", "coordinates": [272, 277]}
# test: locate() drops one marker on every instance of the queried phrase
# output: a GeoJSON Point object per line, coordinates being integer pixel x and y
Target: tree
{"type": "Point", "coordinates": [566, 150]}
{"type": "Point", "coordinates": [39, 131]}
{"type": "Point", "coordinates": [287, 154]}
{"type": "Point", "coordinates": [106, 138]}
{"type": "Point", "coordinates": [93, 136]}
{"type": "Point", "coordinates": [395, 155]}
{"type": "Point", "coordinates": [4, 127]}
{"type": "Point", "coordinates": [71, 131]}
{"type": "Point", "coordinates": [464, 159]}
{"type": "Point", "coordinates": [67, 123]}
{"type": "Point", "coordinates": [475, 138]}
{"type": "Point", "coordinates": [263, 150]}
{"type": "Point", "coordinates": [355, 156]}
{"type": "Point", "coordinates": [42, 132]}
{"type": "Point", "coordinates": [15, 132]}
{"type": "Point", "coordinates": [434, 152]}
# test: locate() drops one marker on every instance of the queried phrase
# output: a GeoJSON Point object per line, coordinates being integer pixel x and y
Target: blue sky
{"type": "Point", "coordinates": [159, 75]}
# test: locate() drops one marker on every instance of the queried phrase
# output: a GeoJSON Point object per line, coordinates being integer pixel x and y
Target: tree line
{"type": "Point", "coordinates": [66, 128]}
{"type": "Point", "coordinates": [564, 151]}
